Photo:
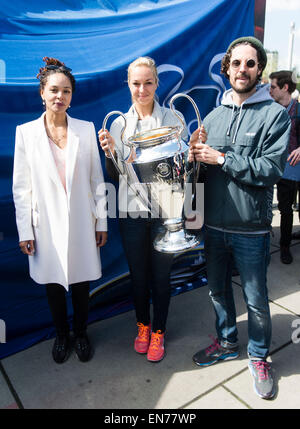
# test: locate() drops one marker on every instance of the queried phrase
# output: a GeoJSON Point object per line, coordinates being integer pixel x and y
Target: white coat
{"type": "Point", "coordinates": [62, 223]}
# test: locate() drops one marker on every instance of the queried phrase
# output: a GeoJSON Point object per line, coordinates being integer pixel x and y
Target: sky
{"type": "Point", "coordinates": [279, 15]}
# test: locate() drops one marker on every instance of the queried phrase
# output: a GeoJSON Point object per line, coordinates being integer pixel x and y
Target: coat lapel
{"type": "Point", "coordinates": [72, 150]}
{"type": "Point", "coordinates": [157, 113]}
{"type": "Point", "coordinates": [132, 120]}
{"type": "Point", "coordinates": [45, 152]}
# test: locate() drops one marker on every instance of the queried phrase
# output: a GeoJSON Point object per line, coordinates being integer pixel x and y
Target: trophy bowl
{"type": "Point", "coordinates": [158, 171]}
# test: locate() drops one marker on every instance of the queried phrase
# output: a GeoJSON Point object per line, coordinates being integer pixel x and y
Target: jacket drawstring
{"type": "Point", "coordinates": [230, 123]}
{"type": "Point", "coordinates": [238, 124]}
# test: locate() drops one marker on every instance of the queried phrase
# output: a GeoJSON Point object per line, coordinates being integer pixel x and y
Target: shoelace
{"type": "Point", "coordinates": [214, 346]}
{"type": "Point", "coordinates": [60, 345]}
{"type": "Point", "coordinates": [156, 339]}
{"type": "Point", "coordinates": [143, 333]}
{"type": "Point", "coordinates": [82, 344]}
{"type": "Point", "coordinates": [262, 369]}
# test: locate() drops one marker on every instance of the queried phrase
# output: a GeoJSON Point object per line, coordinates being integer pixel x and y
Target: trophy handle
{"type": "Point", "coordinates": [116, 112]}
{"type": "Point", "coordinates": [178, 116]}
{"type": "Point", "coordinates": [196, 165]}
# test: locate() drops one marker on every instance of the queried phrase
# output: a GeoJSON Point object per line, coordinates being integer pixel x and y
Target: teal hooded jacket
{"type": "Point", "coordinates": [254, 137]}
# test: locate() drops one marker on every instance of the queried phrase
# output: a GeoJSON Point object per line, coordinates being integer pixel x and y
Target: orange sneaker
{"type": "Point", "coordinates": [141, 343]}
{"type": "Point", "coordinates": [156, 351]}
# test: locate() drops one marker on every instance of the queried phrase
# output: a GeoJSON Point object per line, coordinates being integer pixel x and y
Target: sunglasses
{"type": "Point", "coordinates": [54, 67]}
{"type": "Point", "coordinates": [236, 63]}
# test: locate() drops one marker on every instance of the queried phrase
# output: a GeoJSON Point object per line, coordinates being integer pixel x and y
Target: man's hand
{"type": "Point", "coordinates": [294, 157]}
{"type": "Point", "coordinates": [200, 151]}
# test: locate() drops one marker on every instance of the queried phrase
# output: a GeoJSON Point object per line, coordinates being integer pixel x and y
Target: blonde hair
{"type": "Point", "coordinates": [143, 61]}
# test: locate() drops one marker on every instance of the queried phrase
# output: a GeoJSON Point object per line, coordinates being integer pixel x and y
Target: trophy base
{"type": "Point", "coordinates": [176, 240]}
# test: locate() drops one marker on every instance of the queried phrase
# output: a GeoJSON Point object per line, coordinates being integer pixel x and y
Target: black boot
{"type": "Point", "coordinates": [61, 348]}
{"type": "Point", "coordinates": [83, 347]}
{"type": "Point", "coordinates": [296, 235]}
{"type": "Point", "coordinates": [285, 255]}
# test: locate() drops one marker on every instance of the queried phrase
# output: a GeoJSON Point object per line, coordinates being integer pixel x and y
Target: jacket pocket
{"type": "Point", "coordinates": [248, 208]}
{"type": "Point", "coordinates": [93, 206]}
{"type": "Point", "coordinates": [219, 143]}
{"type": "Point", "coordinates": [35, 216]}
{"type": "Point", "coordinates": [247, 140]}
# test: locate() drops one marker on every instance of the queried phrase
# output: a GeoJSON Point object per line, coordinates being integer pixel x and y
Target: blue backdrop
{"type": "Point", "coordinates": [98, 39]}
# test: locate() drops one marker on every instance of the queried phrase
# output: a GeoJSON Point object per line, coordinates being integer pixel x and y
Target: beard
{"type": "Point", "coordinates": [244, 89]}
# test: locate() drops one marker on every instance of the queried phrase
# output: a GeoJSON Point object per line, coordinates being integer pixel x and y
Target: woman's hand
{"type": "Point", "coordinates": [106, 141]}
{"type": "Point", "coordinates": [101, 238]}
{"type": "Point", "coordinates": [27, 247]}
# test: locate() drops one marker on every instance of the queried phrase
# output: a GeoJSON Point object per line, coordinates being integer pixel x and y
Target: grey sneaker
{"type": "Point", "coordinates": [214, 353]}
{"type": "Point", "coordinates": [262, 377]}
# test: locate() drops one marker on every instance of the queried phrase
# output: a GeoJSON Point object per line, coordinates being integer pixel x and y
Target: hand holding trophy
{"type": "Point", "coordinates": [157, 169]}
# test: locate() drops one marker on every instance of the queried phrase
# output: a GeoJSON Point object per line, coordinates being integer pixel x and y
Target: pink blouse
{"type": "Point", "coordinates": [59, 156]}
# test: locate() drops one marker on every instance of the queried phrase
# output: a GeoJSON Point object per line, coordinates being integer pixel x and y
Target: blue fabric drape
{"type": "Point", "coordinates": [98, 39]}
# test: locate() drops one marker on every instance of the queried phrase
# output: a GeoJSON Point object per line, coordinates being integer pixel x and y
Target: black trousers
{"type": "Point", "coordinates": [56, 295]}
{"type": "Point", "coordinates": [286, 194]}
{"type": "Point", "coordinates": [149, 270]}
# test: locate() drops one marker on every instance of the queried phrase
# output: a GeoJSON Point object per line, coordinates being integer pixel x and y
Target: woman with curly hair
{"type": "Point", "coordinates": [59, 197]}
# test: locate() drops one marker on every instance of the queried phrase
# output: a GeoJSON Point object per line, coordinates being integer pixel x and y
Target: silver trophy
{"type": "Point", "coordinates": [158, 172]}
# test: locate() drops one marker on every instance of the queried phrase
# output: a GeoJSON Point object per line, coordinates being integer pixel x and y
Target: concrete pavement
{"type": "Point", "coordinates": [119, 378]}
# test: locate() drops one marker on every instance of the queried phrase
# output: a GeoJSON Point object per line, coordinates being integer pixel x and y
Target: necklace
{"type": "Point", "coordinates": [59, 140]}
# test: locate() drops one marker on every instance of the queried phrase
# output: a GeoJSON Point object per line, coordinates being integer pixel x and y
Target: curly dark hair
{"type": "Point", "coordinates": [53, 65]}
{"type": "Point", "coordinates": [227, 57]}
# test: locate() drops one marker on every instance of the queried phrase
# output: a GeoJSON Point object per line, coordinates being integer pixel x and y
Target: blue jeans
{"type": "Point", "coordinates": [250, 254]}
{"type": "Point", "coordinates": [149, 270]}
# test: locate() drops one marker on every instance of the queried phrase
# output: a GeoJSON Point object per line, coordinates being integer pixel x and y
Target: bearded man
{"type": "Point", "coordinates": [245, 155]}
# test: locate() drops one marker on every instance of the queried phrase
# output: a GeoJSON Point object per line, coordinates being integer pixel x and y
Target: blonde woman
{"type": "Point", "coordinates": [149, 269]}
